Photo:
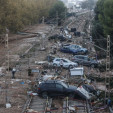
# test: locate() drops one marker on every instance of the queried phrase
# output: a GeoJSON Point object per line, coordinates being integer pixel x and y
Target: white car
{"type": "Point", "coordinates": [68, 36]}
{"type": "Point", "coordinates": [64, 62]}
{"type": "Point", "coordinates": [84, 93]}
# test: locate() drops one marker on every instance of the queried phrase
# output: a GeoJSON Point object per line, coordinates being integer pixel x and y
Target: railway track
{"type": "Point", "coordinates": [75, 106]}
{"type": "Point", "coordinates": [35, 104]}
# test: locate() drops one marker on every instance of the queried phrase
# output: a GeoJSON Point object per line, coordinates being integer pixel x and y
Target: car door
{"type": "Point", "coordinates": [86, 61]}
{"type": "Point", "coordinates": [51, 89]}
{"type": "Point", "coordinates": [65, 63]}
{"type": "Point", "coordinates": [80, 59]}
{"type": "Point", "coordinates": [66, 49]}
{"type": "Point", "coordinates": [57, 61]}
{"type": "Point", "coordinates": [59, 90]}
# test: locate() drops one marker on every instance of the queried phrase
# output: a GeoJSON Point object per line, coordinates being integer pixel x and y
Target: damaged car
{"type": "Point", "coordinates": [56, 88]}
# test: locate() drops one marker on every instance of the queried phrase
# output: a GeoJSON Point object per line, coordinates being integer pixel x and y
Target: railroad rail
{"type": "Point", "coordinates": [35, 104]}
{"type": "Point", "coordinates": [73, 106]}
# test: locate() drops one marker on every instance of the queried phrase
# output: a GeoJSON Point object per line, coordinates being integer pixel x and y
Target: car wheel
{"type": "Point", "coordinates": [70, 66]}
{"type": "Point", "coordinates": [55, 65]}
{"type": "Point", "coordinates": [77, 64]}
{"type": "Point", "coordinates": [82, 52]}
{"type": "Point", "coordinates": [44, 95]}
{"type": "Point", "coordinates": [71, 95]}
{"type": "Point", "coordinates": [92, 65]}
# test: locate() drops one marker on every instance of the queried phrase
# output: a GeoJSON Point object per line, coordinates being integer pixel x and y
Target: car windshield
{"type": "Point", "coordinates": [66, 60]}
{"type": "Point", "coordinates": [65, 85]}
{"type": "Point", "coordinates": [75, 46]}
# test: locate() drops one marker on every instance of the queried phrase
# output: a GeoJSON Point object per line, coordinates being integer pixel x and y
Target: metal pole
{"type": "Point", "coordinates": [107, 67]}
{"type": "Point", "coordinates": [67, 109]}
{"type": "Point", "coordinates": [57, 17]}
{"type": "Point", "coordinates": [7, 59]}
{"type": "Point", "coordinates": [43, 19]}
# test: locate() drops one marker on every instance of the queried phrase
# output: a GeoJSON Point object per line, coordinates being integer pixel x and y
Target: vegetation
{"type": "Point", "coordinates": [102, 26]}
{"type": "Point", "coordinates": [15, 14]}
{"type": "Point", "coordinates": [59, 10]}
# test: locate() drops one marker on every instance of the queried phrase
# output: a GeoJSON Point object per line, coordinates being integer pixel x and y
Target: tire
{"type": "Point", "coordinates": [82, 52]}
{"type": "Point", "coordinates": [44, 95]}
{"type": "Point", "coordinates": [77, 64]}
{"type": "Point", "coordinates": [92, 65]}
{"type": "Point", "coordinates": [71, 95]}
{"type": "Point", "coordinates": [70, 66]}
{"type": "Point", "coordinates": [55, 65]}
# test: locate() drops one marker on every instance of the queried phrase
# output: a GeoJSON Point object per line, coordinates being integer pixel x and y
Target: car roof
{"type": "Point", "coordinates": [62, 58]}
{"type": "Point", "coordinates": [52, 81]}
{"type": "Point", "coordinates": [81, 55]}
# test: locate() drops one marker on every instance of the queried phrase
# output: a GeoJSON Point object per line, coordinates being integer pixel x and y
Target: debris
{"type": "Point", "coordinates": [77, 71]}
{"type": "Point", "coordinates": [8, 105]}
{"type": "Point", "coordinates": [2, 70]}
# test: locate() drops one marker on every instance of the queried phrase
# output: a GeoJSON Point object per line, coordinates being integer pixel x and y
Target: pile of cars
{"type": "Point", "coordinates": [49, 87]}
{"type": "Point", "coordinates": [57, 88]}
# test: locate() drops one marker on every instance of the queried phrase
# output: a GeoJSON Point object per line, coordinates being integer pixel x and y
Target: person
{"type": "Point", "coordinates": [109, 103]}
{"type": "Point", "coordinates": [13, 72]}
{"type": "Point", "coordinates": [61, 64]}
{"type": "Point", "coordinates": [29, 71]}
{"type": "Point", "coordinates": [54, 50]}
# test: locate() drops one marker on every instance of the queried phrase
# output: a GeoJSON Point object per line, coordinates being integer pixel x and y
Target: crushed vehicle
{"type": "Point", "coordinates": [53, 88]}
{"type": "Point", "coordinates": [79, 48]}
{"type": "Point", "coordinates": [85, 60]}
{"type": "Point", "coordinates": [73, 29]}
{"type": "Point", "coordinates": [73, 49]}
{"type": "Point", "coordinates": [58, 62]}
{"type": "Point", "coordinates": [57, 88]}
{"type": "Point", "coordinates": [68, 36]}
{"type": "Point", "coordinates": [87, 92]}
{"type": "Point", "coordinates": [57, 37]}
{"type": "Point", "coordinates": [76, 33]}
{"type": "Point", "coordinates": [67, 49]}
{"type": "Point", "coordinates": [50, 58]}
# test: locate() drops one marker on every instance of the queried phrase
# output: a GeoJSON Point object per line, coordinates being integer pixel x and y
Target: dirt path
{"type": "Point", "coordinates": [16, 90]}
{"type": "Point", "coordinates": [18, 43]}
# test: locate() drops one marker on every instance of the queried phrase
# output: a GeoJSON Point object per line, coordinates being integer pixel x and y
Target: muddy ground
{"type": "Point", "coordinates": [14, 91]}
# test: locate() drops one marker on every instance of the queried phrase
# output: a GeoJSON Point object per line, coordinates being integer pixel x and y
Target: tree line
{"type": "Point", "coordinates": [103, 23]}
{"type": "Point", "coordinates": [16, 14]}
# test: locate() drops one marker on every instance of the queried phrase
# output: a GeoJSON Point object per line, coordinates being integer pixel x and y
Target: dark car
{"type": "Point", "coordinates": [85, 60]}
{"type": "Point", "coordinates": [57, 37]}
{"type": "Point", "coordinates": [50, 58]}
{"type": "Point", "coordinates": [73, 49]}
{"type": "Point", "coordinates": [80, 49]}
{"type": "Point", "coordinates": [76, 33]}
{"type": "Point", "coordinates": [67, 49]}
{"type": "Point", "coordinates": [53, 88]}
{"type": "Point", "coordinates": [73, 29]}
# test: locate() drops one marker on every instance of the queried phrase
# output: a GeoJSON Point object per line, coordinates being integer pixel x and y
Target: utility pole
{"type": "Point", "coordinates": [43, 20]}
{"type": "Point", "coordinates": [7, 61]}
{"type": "Point", "coordinates": [57, 18]}
{"type": "Point", "coordinates": [65, 14]}
{"type": "Point", "coordinates": [107, 67]}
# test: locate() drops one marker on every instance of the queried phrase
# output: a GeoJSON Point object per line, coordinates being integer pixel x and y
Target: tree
{"type": "Point", "coordinates": [58, 8]}
{"type": "Point", "coordinates": [104, 17]}
{"type": "Point", "coordinates": [15, 14]}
